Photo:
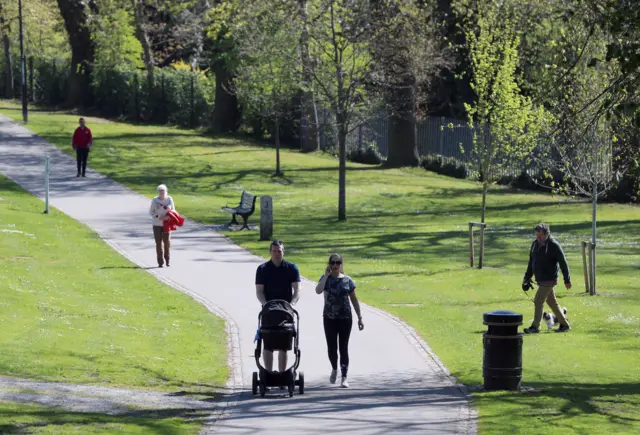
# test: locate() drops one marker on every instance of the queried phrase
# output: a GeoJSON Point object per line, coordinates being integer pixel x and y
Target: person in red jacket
{"type": "Point", "coordinates": [81, 143]}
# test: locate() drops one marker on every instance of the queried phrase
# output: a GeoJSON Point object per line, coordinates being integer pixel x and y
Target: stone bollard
{"type": "Point", "coordinates": [502, 358]}
{"type": "Point", "coordinates": [266, 218]}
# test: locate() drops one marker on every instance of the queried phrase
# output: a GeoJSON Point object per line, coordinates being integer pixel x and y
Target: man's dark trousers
{"type": "Point", "coordinates": [82, 155]}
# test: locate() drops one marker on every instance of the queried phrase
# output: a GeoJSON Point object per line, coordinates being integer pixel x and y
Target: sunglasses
{"type": "Point", "coordinates": [333, 263]}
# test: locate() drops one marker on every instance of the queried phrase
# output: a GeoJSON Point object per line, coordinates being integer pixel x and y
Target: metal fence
{"type": "Point", "coordinates": [448, 138]}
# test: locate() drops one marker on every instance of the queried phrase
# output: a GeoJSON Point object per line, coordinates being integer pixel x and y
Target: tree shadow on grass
{"type": "Point", "coordinates": [127, 267]}
{"type": "Point", "coordinates": [576, 400]}
{"type": "Point", "coordinates": [151, 421]}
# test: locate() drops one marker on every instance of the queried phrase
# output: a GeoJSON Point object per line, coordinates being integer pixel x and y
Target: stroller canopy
{"type": "Point", "coordinates": [276, 313]}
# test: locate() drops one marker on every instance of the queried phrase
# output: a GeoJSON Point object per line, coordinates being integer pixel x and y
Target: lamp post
{"type": "Point", "coordinates": [23, 67]}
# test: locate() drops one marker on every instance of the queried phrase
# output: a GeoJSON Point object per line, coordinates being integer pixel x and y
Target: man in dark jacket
{"type": "Point", "coordinates": [546, 258]}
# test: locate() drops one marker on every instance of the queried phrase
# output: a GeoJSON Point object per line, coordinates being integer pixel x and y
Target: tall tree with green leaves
{"type": "Point", "coordinates": [5, 30]}
{"type": "Point", "coordinates": [269, 75]}
{"type": "Point", "coordinates": [113, 34]}
{"type": "Point", "coordinates": [506, 124]}
{"type": "Point", "coordinates": [340, 46]}
{"type": "Point", "coordinates": [223, 56]}
{"type": "Point", "coordinates": [308, 105]}
{"type": "Point", "coordinates": [75, 14]}
{"type": "Point", "coordinates": [409, 51]}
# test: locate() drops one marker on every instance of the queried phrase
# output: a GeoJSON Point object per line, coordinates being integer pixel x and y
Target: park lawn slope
{"type": "Point", "coordinates": [36, 419]}
{"type": "Point", "coordinates": [73, 310]}
{"type": "Point", "coordinates": [405, 244]}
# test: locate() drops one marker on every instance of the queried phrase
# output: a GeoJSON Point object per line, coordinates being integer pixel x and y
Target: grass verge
{"type": "Point", "coordinates": [73, 310]}
{"type": "Point", "coordinates": [405, 244]}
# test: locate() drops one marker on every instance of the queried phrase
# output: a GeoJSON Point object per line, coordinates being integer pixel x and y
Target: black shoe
{"type": "Point", "coordinates": [563, 328]}
{"type": "Point", "coordinates": [83, 175]}
{"type": "Point", "coordinates": [531, 330]}
{"type": "Point", "coordinates": [78, 174]}
{"type": "Point", "coordinates": [167, 263]}
{"type": "Point", "coordinates": [160, 264]}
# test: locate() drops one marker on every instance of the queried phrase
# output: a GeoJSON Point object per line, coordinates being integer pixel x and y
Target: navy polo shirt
{"type": "Point", "coordinates": [277, 281]}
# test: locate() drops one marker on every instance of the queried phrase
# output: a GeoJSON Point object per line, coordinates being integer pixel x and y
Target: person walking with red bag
{"type": "Point", "coordinates": [159, 210]}
{"type": "Point", "coordinates": [81, 142]}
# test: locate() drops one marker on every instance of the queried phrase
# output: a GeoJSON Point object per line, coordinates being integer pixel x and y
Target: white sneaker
{"type": "Point", "coordinates": [344, 383]}
{"type": "Point", "coordinates": [333, 377]}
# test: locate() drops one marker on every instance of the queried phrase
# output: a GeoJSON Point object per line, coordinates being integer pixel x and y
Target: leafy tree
{"type": "Point", "coordinates": [113, 33]}
{"type": "Point", "coordinates": [75, 14]}
{"type": "Point", "coordinates": [309, 108]}
{"type": "Point", "coordinates": [223, 55]}
{"type": "Point", "coordinates": [581, 148]}
{"type": "Point", "coordinates": [506, 124]}
{"type": "Point", "coordinates": [5, 30]}
{"type": "Point", "coordinates": [409, 52]}
{"type": "Point", "coordinates": [268, 71]}
{"type": "Point", "coordinates": [340, 48]}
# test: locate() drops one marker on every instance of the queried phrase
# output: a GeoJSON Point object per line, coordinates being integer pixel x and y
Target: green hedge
{"type": "Point", "coordinates": [176, 97]}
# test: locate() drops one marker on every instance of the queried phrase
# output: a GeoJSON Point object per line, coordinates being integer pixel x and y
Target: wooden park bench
{"type": "Point", "coordinates": [245, 209]}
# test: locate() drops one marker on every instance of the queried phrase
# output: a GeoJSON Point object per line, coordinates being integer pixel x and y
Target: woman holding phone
{"type": "Point", "coordinates": [339, 293]}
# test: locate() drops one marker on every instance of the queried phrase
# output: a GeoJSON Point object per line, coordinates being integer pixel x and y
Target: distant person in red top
{"type": "Point", "coordinates": [81, 143]}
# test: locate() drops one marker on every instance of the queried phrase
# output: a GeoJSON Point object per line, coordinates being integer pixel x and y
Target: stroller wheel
{"type": "Point", "coordinates": [292, 387]}
{"type": "Point", "coordinates": [263, 388]}
{"type": "Point", "coordinates": [301, 382]}
{"type": "Point", "coordinates": [254, 383]}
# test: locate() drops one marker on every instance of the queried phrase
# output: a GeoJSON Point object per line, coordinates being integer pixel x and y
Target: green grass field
{"type": "Point", "coordinates": [34, 419]}
{"type": "Point", "coordinates": [405, 244]}
{"type": "Point", "coordinates": [73, 310]}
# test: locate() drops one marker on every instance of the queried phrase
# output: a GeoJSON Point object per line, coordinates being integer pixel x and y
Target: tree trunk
{"type": "Point", "coordinates": [141, 34]}
{"type": "Point", "coordinates": [278, 173]}
{"type": "Point", "coordinates": [8, 66]}
{"type": "Point", "coordinates": [342, 172]}
{"type": "Point", "coordinates": [226, 115]}
{"type": "Point", "coordinates": [75, 17]}
{"type": "Point", "coordinates": [403, 146]}
{"type": "Point", "coordinates": [309, 109]}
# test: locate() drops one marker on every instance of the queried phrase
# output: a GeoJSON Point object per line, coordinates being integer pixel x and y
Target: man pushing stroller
{"type": "Point", "coordinates": [277, 279]}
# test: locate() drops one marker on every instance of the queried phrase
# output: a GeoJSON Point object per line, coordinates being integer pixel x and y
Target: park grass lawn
{"type": "Point", "coordinates": [35, 419]}
{"type": "Point", "coordinates": [73, 310]}
{"type": "Point", "coordinates": [405, 244]}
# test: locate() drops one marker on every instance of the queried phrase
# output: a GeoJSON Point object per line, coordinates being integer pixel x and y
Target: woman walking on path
{"type": "Point", "coordinates": [160, 206]}
{"type": "Point", "coordinates": [338, 290]}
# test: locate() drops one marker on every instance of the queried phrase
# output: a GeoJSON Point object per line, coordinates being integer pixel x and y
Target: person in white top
{"type": "Point", "coordinates": [160, 206]}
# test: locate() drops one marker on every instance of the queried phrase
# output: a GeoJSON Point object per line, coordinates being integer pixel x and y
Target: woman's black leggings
{"type": "Point", "coordinates": [337, 332]}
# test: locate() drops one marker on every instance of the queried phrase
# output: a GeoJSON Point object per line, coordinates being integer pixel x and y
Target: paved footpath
{"type": "Point", "coordinates": [397, 385]}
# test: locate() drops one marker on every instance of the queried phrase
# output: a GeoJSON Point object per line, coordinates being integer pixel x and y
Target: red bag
{"type": "Point", "coordinates": [175, 220]}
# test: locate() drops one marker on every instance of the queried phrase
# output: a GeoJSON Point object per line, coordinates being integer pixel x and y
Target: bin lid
{"type": "Point", "coordinates": [502, 316]}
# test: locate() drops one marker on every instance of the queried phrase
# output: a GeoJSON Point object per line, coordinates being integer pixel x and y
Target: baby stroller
{"type": "Point", "coordinates": [279, 331]}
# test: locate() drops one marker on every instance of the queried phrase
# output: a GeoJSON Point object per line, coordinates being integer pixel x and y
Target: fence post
{"type": "Point", "coordinates": [482, 227]}
{"type": "Point", "coordinates": [46, 184]}
{"type": "Point", "coordinates": [481, 260]}
{"type": "Point", "coordinates": [53, 94]}
{"type": "Point", "coordinates": [163, 99]}
{"type": "Point", "coordinates": [442, 135]}
{"type": "Point", "coordinates": [192, 103]}
{"type": "Point", "coordinates": [471, 250]}
{"type": "Point", "coordinates": [590, 256]}
{"type": "Point", "coordinates": [303, 131]}
{"type": "Point", "coordinates": [31, 90]}
{"type": "Point", "coordinates": [585, 268]}
{"type": "Point", "coordinates": [360, 136]}
{"type": "Point", "coordinates": [136, 98]}
{"type": "Point", "coordinates": [592, 275]}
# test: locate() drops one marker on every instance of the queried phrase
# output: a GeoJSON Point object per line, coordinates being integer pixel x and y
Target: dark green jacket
{"type": "Point", "coordinates": [546, 261]}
